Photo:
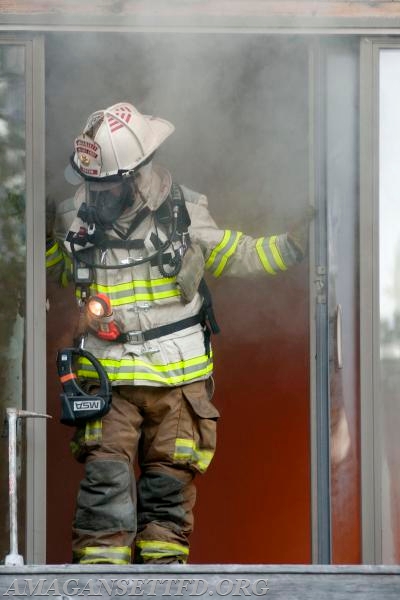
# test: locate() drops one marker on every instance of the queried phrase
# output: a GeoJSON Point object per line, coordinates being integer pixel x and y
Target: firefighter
{"type": "Point", "coordinates": [138, 245]}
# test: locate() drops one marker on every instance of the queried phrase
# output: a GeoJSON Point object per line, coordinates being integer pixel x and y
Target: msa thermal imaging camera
{"type": "Point", "coordinates": [77, 406]}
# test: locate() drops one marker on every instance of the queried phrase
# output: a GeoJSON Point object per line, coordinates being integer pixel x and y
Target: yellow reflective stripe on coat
{"type": "Point", "coordinates": [219, 257]}
{"type": "Point", "coordinates": [116, 555]}
{"type": "Point", "coordinates": [269, 255]}
{"type": "Point", "coordinates": [136, 369]}
{"type": "Point", "coordinates": [154, 549]}
{"type": "Point", "coordinates": [54, 255]}
{"type": "Point", "coordinates": [187, 449]}
{"type": "Point", "coordinates": [273, 246]}
{"type": "Point", "coordinates": [68, 269]}
{"type": "Point", "coordinates": [138, 290]}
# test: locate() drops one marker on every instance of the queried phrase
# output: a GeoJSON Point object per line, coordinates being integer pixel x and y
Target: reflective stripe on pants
{"type": "Point", "coordinates": [158, 550]}
{"type": "Point", "coordinates": [119, 555]}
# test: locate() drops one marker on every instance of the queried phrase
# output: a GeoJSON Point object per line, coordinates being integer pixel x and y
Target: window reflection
{"type": "Point", "coordinates": [12, 256]}
{"type": "Point", "coordinates": [389, 300]}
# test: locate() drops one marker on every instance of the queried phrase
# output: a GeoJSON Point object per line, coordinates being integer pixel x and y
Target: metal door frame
{"type": "Point", "coordinates": [319, 334]}
{"type": "Point", "coordinates": [36, 310]}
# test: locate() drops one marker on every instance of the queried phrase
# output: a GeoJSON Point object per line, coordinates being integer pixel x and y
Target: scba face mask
{"type": "Point", "coordinates": [106, 203]}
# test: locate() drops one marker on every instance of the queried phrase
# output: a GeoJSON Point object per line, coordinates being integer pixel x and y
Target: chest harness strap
{"type": "Point", "coordinates": [139, 337]}
{"type": "Point", "coordinates": [174, 215]}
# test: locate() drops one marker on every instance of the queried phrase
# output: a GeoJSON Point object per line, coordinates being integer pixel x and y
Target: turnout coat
{"type": "Point", "coordinates": [143, 298]}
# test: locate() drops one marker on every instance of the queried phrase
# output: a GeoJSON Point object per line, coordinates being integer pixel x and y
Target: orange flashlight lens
{"type": "Point", "coordinates": [96, 307]}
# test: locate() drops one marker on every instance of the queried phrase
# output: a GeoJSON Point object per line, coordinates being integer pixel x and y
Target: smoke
{"type": "Point", "coordinates": [238, 102]}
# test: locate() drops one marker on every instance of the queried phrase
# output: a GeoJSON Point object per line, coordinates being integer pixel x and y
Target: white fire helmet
{"type": "Point", "coordinates": [116, 140]}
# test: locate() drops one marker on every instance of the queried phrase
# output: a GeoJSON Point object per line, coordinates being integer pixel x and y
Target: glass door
{"type": "Point", "coordinates": [380, 304]}
{"type": "Point", "coordinates": [342, 128]}
{"type": "Point", "coordinates": [336, 466]}
{"type": "Point", "coordinates": [389, 299]}
{"type": "Point", "coordinates": [12, 258]}
{"type": "Point", "coordinates": [21, 323]}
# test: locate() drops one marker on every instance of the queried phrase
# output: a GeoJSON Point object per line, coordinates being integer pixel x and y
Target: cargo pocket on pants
{"type": "Point", "coordinates": [86, 438]}
{"type": "Point", "coordinates": [200, 419]}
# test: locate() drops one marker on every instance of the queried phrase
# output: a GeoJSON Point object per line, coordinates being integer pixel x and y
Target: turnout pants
{"type": "Point", "coordinates": [167, 435]}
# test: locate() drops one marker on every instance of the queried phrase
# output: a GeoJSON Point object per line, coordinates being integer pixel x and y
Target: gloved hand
{"type": "Point", "coordinates": [298, 233]}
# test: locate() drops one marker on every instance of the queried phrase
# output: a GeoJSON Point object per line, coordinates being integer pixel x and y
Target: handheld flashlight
{"type": "Point", "coordinates": [99, 312]}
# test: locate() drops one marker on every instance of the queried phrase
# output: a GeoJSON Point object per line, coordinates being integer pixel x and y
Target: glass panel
{"type": "Point", "coordinates": [389, 299]}
{"type": "Point", "coordinates": [12, 263]}
{"type": "Point", "coordinates": [342, 197]}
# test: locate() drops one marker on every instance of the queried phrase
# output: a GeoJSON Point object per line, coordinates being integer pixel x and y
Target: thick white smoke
{"type": "Point", "coordinates": [239, 104]}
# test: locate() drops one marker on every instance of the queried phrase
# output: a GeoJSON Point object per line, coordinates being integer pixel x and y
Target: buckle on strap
{"type": "Point", "coordinates": [140, 337]}
{"type": "Point", "coordinates": [135, 337]}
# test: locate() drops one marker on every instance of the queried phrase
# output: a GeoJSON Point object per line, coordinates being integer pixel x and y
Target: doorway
{"type": "Point", "coordinates": [240, 105]}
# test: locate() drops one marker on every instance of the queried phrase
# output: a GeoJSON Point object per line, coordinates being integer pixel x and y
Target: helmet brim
{"type": "Point", "coordinates": [161, 128]}
{"type": "Point", "coordinates": [72, 177]}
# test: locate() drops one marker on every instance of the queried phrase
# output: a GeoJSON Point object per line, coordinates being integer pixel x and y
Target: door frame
{"type": "Point", "coordinates": [36, 399]}
{"type": "Point", "coordinates": [36, 312]}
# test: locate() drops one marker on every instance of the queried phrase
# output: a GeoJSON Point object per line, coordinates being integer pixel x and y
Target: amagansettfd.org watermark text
{"type": "Point", "coordinates": [136, 587]}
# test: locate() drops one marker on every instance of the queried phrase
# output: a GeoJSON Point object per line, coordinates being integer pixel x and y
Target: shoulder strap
{"type": "Point", "coordinates": [208, 306]}
{"type": "Point", "coordinates": [165, 211]}
{"type": "Point", "coordinates": [178, 198]}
